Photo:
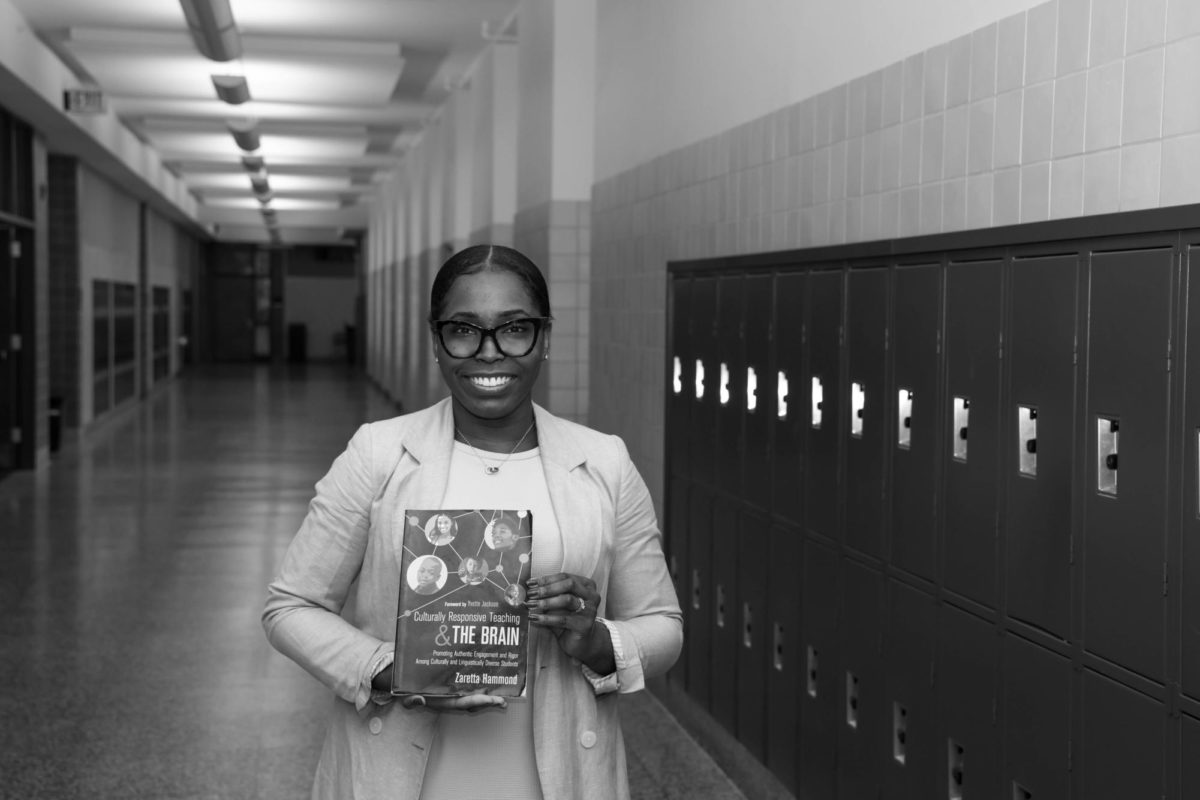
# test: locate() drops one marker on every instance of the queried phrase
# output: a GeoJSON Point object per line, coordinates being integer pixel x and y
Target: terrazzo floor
{"type": "Point", "coordinates": [132, 574]}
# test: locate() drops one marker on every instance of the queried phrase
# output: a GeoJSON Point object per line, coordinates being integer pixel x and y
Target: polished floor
{"type": "Point", "coordinates": [132, 575]}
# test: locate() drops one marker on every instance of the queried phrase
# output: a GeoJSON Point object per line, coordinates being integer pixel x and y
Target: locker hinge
{"type": "Point", "coordinates": [1001, 345]}
{"type": "Point", "coordinates": [939, 342]}
{"type": "Point", "coordinates": [1170, 354]}
{"type": "Point", "coordinates": [1070, 755]}
{"type": "Point", "coordinates": [14, 248]}
{"type": "Point", "coordinates": [887, 339]}
{"type": "Point", "coordinates": [14, 342]}
{"type": "Point", "coordinates": [1166, 579]}
{"type": "Point", "coordinates": [15, 435]}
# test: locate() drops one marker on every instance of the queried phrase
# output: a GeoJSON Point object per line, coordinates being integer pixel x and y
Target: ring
{"type": "Point", "coordinates": [582, 606]}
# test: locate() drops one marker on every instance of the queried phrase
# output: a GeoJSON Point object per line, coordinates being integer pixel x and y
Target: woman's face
{"type": "Point", "coordinates": [502, 535]}
{"type": "Point", "coordinates": [443, 525]}
{"type": "Point", "coordinates": [491, 385]}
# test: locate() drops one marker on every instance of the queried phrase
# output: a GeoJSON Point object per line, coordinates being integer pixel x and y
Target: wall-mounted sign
{"type": "Point", "coordinates": [83, 101]}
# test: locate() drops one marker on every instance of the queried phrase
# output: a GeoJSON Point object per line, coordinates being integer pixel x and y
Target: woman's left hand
{"type": "Point", "coordinates": [567, 605]}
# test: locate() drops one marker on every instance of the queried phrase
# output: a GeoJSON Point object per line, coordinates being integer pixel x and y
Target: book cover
{"type": "Point", "coordinates": [461, 622]}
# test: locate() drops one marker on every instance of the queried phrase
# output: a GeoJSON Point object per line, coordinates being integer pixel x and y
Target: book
{"type": "Point", "coordinates": [461, 622]}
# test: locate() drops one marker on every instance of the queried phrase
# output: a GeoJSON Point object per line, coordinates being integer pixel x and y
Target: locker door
{"type": "Point", "coordinates": [824, 332]}
{"type": "Point", "coordinates": [757, 397]}
{"type": "Point", "coordinates": [916, 331]}
{"type": "Point", "coordinates": [697, 610]}
{"type": "Point", "coordinates": [754, 631]}
{"type": "Point", "coordinates": [703, 418]}
{"type": "Point", "coordinates": [913, 751]}
{"type": "Point", "coordinates": [863, 735]}
{"type": "Point", "coordinates": [974, 305]}
{"type": "Point", "coordinates": [1191, 765]}
{"type": "Point", "coordinates": [792, 414]}
{"type": "Point", "coordinates": [1041, 409]}
{"type": "Point", "coordinates": [1037, 714]}
{"type": "Point", "coordinates": [678, 547]}
{"type": "Point", "coordinates": [969, 764]}
{"type": "Point", "coordinates": [785, 679]}
{"type": "Point", "coordinates": [724, 621]}
{"type": "Point", "coordinates": [729, 382]}
{"type": "Point", "coordinates": [1127, 416]}
{"type": "Point", "coordinates": [824, 692]}
{"type": "Point", "coordinates": [1191, 481]}
{"type": "Point", "coordinates": [680, 381]}
{"type": "Point", "coordinates": [1123, 740]}
{"type": "Point", "coordinates": [866, 332]}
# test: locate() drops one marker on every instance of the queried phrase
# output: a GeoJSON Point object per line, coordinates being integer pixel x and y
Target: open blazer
{"type": "Point", "coordinates": [332, 609]}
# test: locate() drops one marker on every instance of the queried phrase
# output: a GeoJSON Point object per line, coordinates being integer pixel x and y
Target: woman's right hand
{"type": "Point", "coordinates": [382, 682]}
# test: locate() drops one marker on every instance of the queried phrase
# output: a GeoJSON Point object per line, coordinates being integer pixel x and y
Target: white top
{"type": "Point", "coordinates": [489, 753]}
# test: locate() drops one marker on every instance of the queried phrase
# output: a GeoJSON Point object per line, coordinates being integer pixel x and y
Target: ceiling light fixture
{"type": "Point", "coordinates": [254, 164]}
{"type": "Point", "coordinates": [245, 133]}
{"type": "Point", "coordinates": [232, 89]}
{"type": "Point", "coordinates": [213, 29]}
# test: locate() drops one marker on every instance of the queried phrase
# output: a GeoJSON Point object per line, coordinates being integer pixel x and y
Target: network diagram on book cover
{"type": "Point", "coordinates": [468, 548]}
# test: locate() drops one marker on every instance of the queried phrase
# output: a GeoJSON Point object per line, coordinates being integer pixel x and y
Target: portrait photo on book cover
{"type": "Point", "coordinates": [426, 574]}
{"type": "Point", "coordinates": [440, 529]}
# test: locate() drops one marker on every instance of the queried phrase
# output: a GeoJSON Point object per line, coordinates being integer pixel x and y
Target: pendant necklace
{"type": "Point", "coordinates": [488, 468]}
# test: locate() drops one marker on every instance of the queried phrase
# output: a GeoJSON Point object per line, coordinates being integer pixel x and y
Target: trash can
{"type": "Point", "coordinates": [55, 414]}
{"type": "Point", "coordinates": [297, 343]}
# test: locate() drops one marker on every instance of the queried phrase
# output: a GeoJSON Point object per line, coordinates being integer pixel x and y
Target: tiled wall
{"type": "Point", "coordinates": [1074, 107]}
{"type": "Point", "coordinates": [557, 236]}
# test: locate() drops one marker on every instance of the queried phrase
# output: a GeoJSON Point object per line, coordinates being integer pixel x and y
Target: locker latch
{"type": "Point", "coordinates": [904, 419]}
{"type": "Point", "coordinates": [858, 403]}
{"type": "Point", "coordinates": [751, 389]}
{"type": "Point", "coordinates": [899, 733]}
{"type": "Point", "coordinates": [956, 777]}
{"type": "Point", "coordinates": [962, 410]}
{"type": "Point", "coordinates": [1107, 441]}
{"type": "Point", "coordinates": [851, 699]}
{"type": "Point", "coordinates": [1027, 440]}
{"type": "Point", "coordinates": [818, 400]}
{"type": "Point", "coordinates": [781, 396]}
{"type": "Point", "coordinates": [699, 379]}
{"type": "Point", "coordinates": [677, 381]}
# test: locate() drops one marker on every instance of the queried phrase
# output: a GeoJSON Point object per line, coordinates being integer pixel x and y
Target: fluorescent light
{"type": "Point", "coordinates": [232, 89]}
{"type": "Point", "coordinates": [213, 28]}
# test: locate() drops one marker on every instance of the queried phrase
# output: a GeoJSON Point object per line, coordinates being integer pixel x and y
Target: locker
{"type": "Point", "coordinates": [823, 690]}
{"type": "Point", "coordinates": [1124, 548]}
{"type": "Point", "coordinates": [974, 306]}
{"type": "Point", "coordinates": [680, 378]}
{"type": "Point", "coordinates": [1123, 740]}
{"type": "Point", "coordinates": [913, 748]}
{"type": "Point", "coordinates": [1037, 721]}
{"type": "Point", "coordinates": [968, 763]}
{"type": "Point", "coordinates": [916, 327]}
{"type": "Point", "coordinates": [824, 331]}
{"type": "Point", "coordinates": [729, 383]}
{"type": "Point", "coordinates": [1041, 411]}
{"type": "Point", "coordinates": [678, 545]}
{"type": "Point", "coordinates": [697, 610]}
{"type": "Point", "coordinates": [724, 619]}
{"type": "Point", "coordinates": [863, 734]}
{"type": "Point", "coordinates": [791, 397]}
{"type": "Point", "coordinates": [1190, 786]}
{"type": "Point", "coordinates": [866, 332]}
{"type": "Point", "coordinates": [1191, 483]}
{"type": "Point", "coordinates": [702, 421]}
{"type": "Point", "coordinates": [785, 675]}
{"type": "Point", "coordinates": [757, 397]}
{"type": "Point", "coordinates": [754, 632]}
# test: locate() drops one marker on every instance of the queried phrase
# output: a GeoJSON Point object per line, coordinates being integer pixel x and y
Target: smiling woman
{"type": "Point", "coordinates": [601, 604]}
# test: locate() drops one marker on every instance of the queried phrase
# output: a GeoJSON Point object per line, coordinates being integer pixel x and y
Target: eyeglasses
{"type": "Point", "coordinates": [515, 338]}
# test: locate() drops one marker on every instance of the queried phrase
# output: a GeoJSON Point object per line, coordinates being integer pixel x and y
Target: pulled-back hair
{"type": "Point", "coordinates": [480, 257]}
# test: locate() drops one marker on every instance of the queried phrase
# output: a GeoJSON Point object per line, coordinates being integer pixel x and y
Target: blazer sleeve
{"type": "Point", "coordinates": [641, 604]}
{"type": "Point", "coordinates": [302, 617]}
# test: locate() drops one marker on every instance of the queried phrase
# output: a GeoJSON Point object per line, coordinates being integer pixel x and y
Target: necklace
{"type": "Point", "coordinates": [489, 468]}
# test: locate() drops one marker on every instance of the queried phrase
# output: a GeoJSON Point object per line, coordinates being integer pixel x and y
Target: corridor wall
{"type": "Point", "coordinates": [933, 505]}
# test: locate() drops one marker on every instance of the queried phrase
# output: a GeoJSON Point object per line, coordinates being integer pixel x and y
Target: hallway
{"type": "Point", "coordinates": [132, 574]}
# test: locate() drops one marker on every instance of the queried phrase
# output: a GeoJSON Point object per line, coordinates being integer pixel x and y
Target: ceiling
{"type": "Point", "coordinates": [339, 89]}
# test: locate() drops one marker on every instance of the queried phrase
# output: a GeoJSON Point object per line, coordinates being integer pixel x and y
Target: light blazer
{"type": "Point", "coordinates": [332, 608]}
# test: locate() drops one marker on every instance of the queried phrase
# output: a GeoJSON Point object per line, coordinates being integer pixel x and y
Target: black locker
{"type": "Point", "coordinates": [1124, 739]}
{"type": "Point", "coordinates": [916, 321]}
{"type": "Point", "coordinates": [967, 657]}
{"type": "Point", "coordinates": [725, 617]}
{"type": "Point", "coordinates": [792, 416]}
{"type": "Point", "coordinates": [697, 610]}
{"type": "Point", "coordinates": [822, 689]}
{"type": "Point", "coordinates": [1037, 721]}
{"type": "Point", "coordinates": [866, 360]}
{"type": "Point", "coordinates": [824, 393]}
{"type": "Point", "coordinates": [729, 380]}
{"type": "Point", "coordinates": [974, 316]}
{"type": "Point", "coordinates": [785, 676]}
{"type": "Point", "coordinates": [754, 631]}
{"type": "Point", "coordinates": [1190, 746]}
{"type": "Point", "coordinates": [681, 384]}
{"type": "Point", "coordinates": [910, 713]}
{"type": "Point", "coordinates": [702, 421]}
{"type": "Point", "coordinates": [758, 390]}
{"type": "Point", "coordinates": [1124, 535]}
{"type": "Point", "coordinates": [678, 546]}
{"type": "Point", "coordinates": [864, 731]}
{"type": "Point", "coordinates": [1190, 554]}
{"type": "Point", "coordinates": [1040, 443]}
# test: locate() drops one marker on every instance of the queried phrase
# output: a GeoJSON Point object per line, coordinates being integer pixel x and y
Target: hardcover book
{"type": "Point", "coordinates": [461, 623]}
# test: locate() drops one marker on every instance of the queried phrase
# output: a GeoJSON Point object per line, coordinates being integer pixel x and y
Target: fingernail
{"type": "Point", "coordinates": [535, 617]}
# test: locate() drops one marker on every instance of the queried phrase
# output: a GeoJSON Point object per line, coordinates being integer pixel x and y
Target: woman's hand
{"type": "Point", "coordinates": [468, 702]}
{"type": "Point", "coordinates": [567, 605]}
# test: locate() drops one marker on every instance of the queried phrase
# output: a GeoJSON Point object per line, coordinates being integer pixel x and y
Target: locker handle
{"type": "Point", "coordinates": [962, 433]}
{"type": "Point", "coordinates": [1110, 461]}
{"type": "Point", "coordinates": [747, 626]}
{"type": "Point", "coordinates": [696, 589]}
{"type": "Point", "coordinates": [1031, 446]}
{"type": "Point", "coordinates": [778, 647]}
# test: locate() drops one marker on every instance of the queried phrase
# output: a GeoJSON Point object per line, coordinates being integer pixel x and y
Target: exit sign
{"type": "Point", "coordinates": [83, 101]}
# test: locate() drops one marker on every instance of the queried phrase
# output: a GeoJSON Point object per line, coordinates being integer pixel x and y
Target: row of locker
{"type": "Point", "coordinates": [985, 424]}
{"type": "Point", "coordinates": [849, 684]}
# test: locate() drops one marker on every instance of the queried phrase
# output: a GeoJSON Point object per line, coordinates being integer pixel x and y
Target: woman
{"type": "Point", "coordinates": [603, 612]}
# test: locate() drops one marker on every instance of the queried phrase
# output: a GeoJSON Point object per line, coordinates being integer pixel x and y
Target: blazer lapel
{"type": "Point", "coordinates": [430, 444]}
{"type": "Point", "coordinates": [576, 506]}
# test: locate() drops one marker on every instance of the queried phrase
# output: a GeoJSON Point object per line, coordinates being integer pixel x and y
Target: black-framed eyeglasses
{"type": "Point", "coordinates": [514, 338]}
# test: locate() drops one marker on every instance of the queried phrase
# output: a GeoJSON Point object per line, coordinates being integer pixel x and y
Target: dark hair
{"type": "Point", "coordinates": [480, 257]}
